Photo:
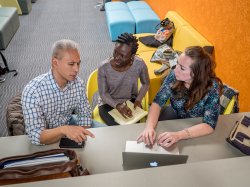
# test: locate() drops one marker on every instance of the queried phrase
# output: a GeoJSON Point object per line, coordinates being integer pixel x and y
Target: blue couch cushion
{"type": "Point", "coordinates": [133, 5]}
{"type": "Point", "coordinates": [119, 21]}
{"type": "Point", "coordinates": [116, 6]}
{"type": "Point", "coordinates": [145, 20]}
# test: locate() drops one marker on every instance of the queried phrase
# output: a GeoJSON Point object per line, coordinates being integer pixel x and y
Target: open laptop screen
{"type": "Point", "coordinates": [132, 160]}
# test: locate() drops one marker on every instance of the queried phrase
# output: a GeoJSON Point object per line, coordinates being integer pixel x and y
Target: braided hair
{"type": "Point", "coordinates": [129, 39]}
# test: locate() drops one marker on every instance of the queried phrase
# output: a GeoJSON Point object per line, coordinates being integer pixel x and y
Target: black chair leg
{"type": "Point", "coordinates": [6, 68]}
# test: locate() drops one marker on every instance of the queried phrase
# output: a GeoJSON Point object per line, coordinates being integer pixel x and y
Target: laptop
{"type": "Point", "coordinates": [134, 160]}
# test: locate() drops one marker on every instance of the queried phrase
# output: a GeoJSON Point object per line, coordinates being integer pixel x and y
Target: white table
{"type": "Point", "coordinates": [103, 154]}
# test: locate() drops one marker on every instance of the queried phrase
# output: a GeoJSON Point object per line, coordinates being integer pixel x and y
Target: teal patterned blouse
{"type": "Point", "coordinates": [208, 107]}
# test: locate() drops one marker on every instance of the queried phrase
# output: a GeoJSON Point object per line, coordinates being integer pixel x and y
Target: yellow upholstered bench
{"type": "Point", "coordinates": [11, 3]}
{"type": "Point", "coordinates": [185, 35]}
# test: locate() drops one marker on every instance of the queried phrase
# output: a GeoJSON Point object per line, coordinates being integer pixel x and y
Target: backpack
{"type": "Point", "coordinates": [5, 69]}
{"type": "Point", "coordinates": [164, 34]}
{"type": "Point", "coordinates": [165, 31]}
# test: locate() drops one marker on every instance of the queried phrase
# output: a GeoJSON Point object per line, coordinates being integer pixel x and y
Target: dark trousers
{"type": "Point", "coordinates": [106, 117]}
{"type": "Point", "coordinates": [167, 114]}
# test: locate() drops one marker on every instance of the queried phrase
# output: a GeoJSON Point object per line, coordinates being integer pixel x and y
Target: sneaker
{"type": "Point", "coordinates": [102, 8]}
{"type": "Point", "coordinates": [2, 80]}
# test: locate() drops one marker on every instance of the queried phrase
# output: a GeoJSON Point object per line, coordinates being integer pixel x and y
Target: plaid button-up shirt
{"type": "Point", "coordinates": [45, 105]}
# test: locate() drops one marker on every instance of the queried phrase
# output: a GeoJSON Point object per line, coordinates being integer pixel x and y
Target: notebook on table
{"type": "Point", "coordinates": [137, 113]}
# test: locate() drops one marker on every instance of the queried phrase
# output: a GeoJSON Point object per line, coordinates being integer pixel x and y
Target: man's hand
{"type": "Point", "coordinates": [124, 110]}
{"type": "Point", "coordinates": [147, 136]}
{"type": "Point", "coordinates": [167, 139]}
{"type": "Point", "coordinates": [77, 133]}
{"type": "Point", "coordinates": [137, 104]}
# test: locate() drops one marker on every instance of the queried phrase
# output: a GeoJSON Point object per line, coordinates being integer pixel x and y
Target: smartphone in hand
{"type": "Point", "coordinates": [68, 143]}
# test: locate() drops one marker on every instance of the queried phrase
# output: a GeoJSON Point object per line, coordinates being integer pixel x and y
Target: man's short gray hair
{"type": "Point", "coordinates": [63, 45]}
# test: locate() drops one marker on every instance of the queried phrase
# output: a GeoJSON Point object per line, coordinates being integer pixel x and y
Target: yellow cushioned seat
{"type": "Point", "coordinates": [229, 108]}
{"type": "Point", "coordinates": [96, 116]}
{"type": "Point", "coordinates": [11, 3]}
{"type": "Point", "coordinates": [91, 90]}
{"type": "Point", "coordinates": [155, 80]}
{"type": "Point", "coordinates": [141, 47]}
{"type": "Point", "coordinates": [177, 19]}
{"type": "Point", "coordinates": [188, 36]}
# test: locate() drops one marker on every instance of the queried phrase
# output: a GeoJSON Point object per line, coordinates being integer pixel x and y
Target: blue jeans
{"type": "Point", "coordinates": [95, 124]}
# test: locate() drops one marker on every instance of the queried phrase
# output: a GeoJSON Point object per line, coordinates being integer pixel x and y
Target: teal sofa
{"type": "Point", "coordinates": [9, 23]}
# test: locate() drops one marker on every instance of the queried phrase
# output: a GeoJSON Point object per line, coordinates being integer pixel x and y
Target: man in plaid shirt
{"type": "Point", "coordinates": [49, 100]}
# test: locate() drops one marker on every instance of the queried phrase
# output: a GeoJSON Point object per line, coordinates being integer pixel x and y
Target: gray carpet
{"type": "Point", "coordinates": [29, 52]}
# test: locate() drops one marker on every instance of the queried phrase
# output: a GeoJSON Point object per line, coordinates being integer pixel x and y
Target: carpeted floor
{"type": "Point", "coordinates": [29, 52]}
